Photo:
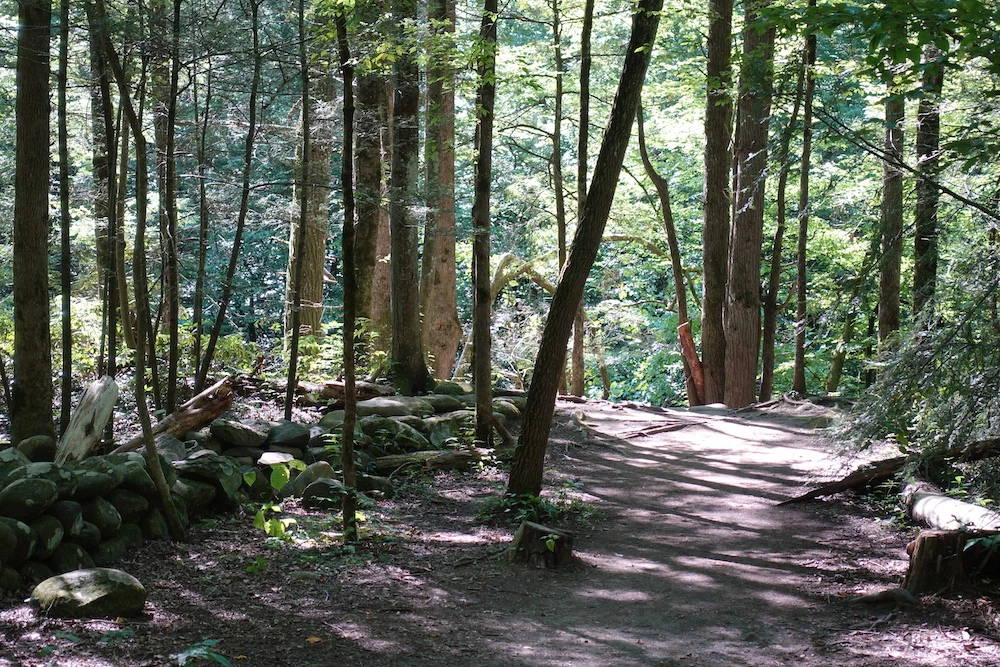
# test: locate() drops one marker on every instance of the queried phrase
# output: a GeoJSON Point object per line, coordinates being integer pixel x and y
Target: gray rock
{"type": "Point", "coordinates": [452, 388]}
{"type": "Point", "coordinates": [8, 542]}
{"type": "Point", "coordinates": [61, 476]}
{"type": "Point", "coordinates": [443, 403]}
{"type": "Point", "coordinates": [110, 551]}
{"type": "Point", "coordinates": [50, 535]}
{"type": "Point", "coordinates": [240, 434]}
{"type": "Point", "coordinates": [196, 495]}
{"type": "Point", "coordinates": [288, 434]}
{"type": "Point", "coordinates": [324, 494]}
{"type": "Point", "coordinates": [274, 458]}
{"type": "Point", "coordinates": [70, 516]}
{"type": "Point", "coordinates": [410, 439]}
{"type": "Point", "coordinates": [89, 536]}
{"type": "Point", "coordinates": [154, 526]}
{"type": "Point", "coordinates": [90, 593]}
{"type": "Point", "coordinates": [332, 420]}
{"type": "Point", "coordinates": [506, 408]}
{"type": "Point", "coordinates": [10, 579]}
{"type": "Point", "coordinates": [131, 534]}
{"type": "Point", "coordinates": [69, 556]}
{"type": "Point", "coordinates": [441, 428]}
{"type": "Point", "coordinates": [34, 571]}
{"type": "Point", "coordinates": [395, 406]}
{"type": "Point", "coordinates": [242, 452]}
{"type": "Point", "coordinates": [313, 472]}
{"type": "Point", "coordinates": [136, 478]}
{"type": "Point", "coordinates": [131, 506]}
{"type": "Point", "coordinates": [92, 484]}
{"type": "Point", "coordinates": [27, 498]}
{"type": "Point", "coordinates": [170, 447]}
{"type": "Point", "coordinates": [38, 448]}
{"type": "Point", "coordinates": [11, 459]}
{"type": "Point", "coordinates": [26, 541]}
{"type": "Point", "coordinates": [296, 452]}
{"type": "Point", "coordinates": [374, 483]}
{"type": "Point", "coordinates": [102, 514]}
{"type": "Point", "coordinates": [416, 423]}
{"type": "Point", "coordinates": [101, 464]}
{"type": "Point", "coordinates": [220, 471]}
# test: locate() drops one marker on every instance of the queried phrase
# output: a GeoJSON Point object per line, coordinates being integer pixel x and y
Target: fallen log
{"type": "Point", "coordinates": [195, 413]}
{"type": "Point", "coordinates": [88, 420]}
{"type": "Point", "coordinates": [880, 471]}
{"type": "Point", "coordinates": [330, 393]}
{"type": "Point", "coordinates": [429, 460]}
{"type": "Point", "coordinates": [929, 505]}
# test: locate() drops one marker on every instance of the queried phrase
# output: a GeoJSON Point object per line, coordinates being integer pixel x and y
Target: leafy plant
{"type": "Point", "coordinates": [273, 526]}
{"type": "Point", "coordinates": [200, 651]}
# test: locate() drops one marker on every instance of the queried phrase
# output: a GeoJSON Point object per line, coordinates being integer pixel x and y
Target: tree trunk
{"type": "Point", "coordinates": [529, 457]}
{"type": "Point", "coordinates": [742, 308]}
{"type": "Point", "coordinates": [441, 327]}
{"type": "Point", "coordinates": [891, 221]}
{"type": "Point", "coordinates": [718, 170]}
{"type": "Point", "coordinates": [31, 393]}
{"type": "Point", "coordinates": [408, 370]}
{"type": "Point", "coordinates": [925, 243]}
{"type": "Point", "coordinates": [316, 208]}
{"type": "Point", "coordinates": [350, 473]}
{"type": "Point", "coordinates": [482, 302]}
{"type": "Point", "coordinates": [802, 279]}
{"type": "Point", "coordinates": [936, 563]}
{"type": "Point", "coordinates": [65, 254]}
{"type": "Point", "coordinates": [201, 156]}
{"type": "Point", "coordinates": [83, 429]}
{"type": "Point", "coordinates": [541, 546]}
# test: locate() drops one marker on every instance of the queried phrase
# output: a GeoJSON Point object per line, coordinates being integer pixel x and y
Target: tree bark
{"type": "Point", "coordinates": [925, 242]}
{"type": "Point", "coordinates": [891, 220]}
{"type": "Point", "coordinates": [529, 457]}
{"type": "Point", "coordinates": [742, 307]}
{"type": "Point", "coordinates": [482, 303]}
{"type": "Point", "coordinates": [408, 370]}
{"type": "Point", "coordinates": [31, 392]}
{"type": "Point", "coordinates": [717, 194]}
{"type": "Point", "coordinates": [438, 297]}
{"type": "Point", "coordinates": [65, 218]}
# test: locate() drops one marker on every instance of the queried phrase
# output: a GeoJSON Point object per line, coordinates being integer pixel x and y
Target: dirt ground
{"type": "Point", "coordinates": [689, 562]}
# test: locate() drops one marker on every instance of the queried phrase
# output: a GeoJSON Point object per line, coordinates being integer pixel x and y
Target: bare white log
{"type": "Point", "coordinates": [88, 420]}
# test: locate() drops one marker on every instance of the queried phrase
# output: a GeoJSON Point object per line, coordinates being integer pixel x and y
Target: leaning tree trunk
{"type": "Point", "coordinates": [529, 457]}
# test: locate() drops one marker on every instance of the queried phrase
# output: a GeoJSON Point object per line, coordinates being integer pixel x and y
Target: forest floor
{"type": "Point", "coordinates": [684, 558]}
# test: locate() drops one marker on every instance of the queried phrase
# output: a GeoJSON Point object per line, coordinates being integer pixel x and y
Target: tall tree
{"type": "Point", "coordinates": [925, 243]}
{"type": "Point", "coordinates": [742, 307]}
{"type": "Point", "coordinates": [408, 370]}
{"type": "Point", "coordinates": [31, 391]}
{"type": "Point", "coordinates": [717, 211]}
{"type": "Point", "coordinates": [583, 141]}
{"type": "Point", "coordinates": [529, 457]}
{"type": "Point", "coordinates": [801, 301]}
{"type": "Point", "coordinates": [891, 219]}
{"type": "Point", "coordinates": [438, 295]}
{"type": "Point", "coordinates": [482, 303]}
{"type": "Point", "coordinates": [65, 275]}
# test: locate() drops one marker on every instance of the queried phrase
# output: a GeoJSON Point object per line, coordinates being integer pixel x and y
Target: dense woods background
{"type": "Point", "coordinates": [809, 201]}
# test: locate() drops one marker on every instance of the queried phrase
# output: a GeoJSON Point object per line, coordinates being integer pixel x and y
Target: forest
{"type": "Point", "coordinates": [706, 204]}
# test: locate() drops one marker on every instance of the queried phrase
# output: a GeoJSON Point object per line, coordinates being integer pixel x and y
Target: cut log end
{"type": "Point", "coordinates": [541, 546]}
{"type": "Point", "coordinates": [936, 563]}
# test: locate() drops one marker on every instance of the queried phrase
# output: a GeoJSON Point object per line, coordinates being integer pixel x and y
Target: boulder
{"type": "Point", "coordinates": [34, 571]}
{"type": "Point", "coordinates": [506, 408]}
{"type": "Point", "coordinates": [131, 534]}
{"type": "Point", "coordinates": [90, 593]}
{"type": "Point", "coordinates": [110, 551]}
{"type": "Point", "coordinates": [102, 514]}
{"type": "Point", "coordinates": [92, 484]}
{"type": "Point", "coordinates": [27, 498]}
{"type": "Point", "coordinates": [24, 548]}
{"type": "Point", "coordinates": [11, 459]}
{"type": "Point", "coordinates": [221, 472]}
{"type": "Point", "coordinates": [313, 472]}
{"type": "Point", "coordinates": [38, 448]}
{"type": "Point", "coordinates": [154, 526]}
{"type": "Point", "coordinates": [240, 434]}
{"type": "Point", "coordinates": [196, 495]}
{"type": "Point", "coordinates": [443, 402]}
{"type": "Point", "coordinates": [395, 406]}
{"type": "Point", "coordinates": [452, 388]}
{"type": "Point", "coordinates": [62, 477]}
{"type": "Point", "coordinates": [10, 579]}
{"type": "Point", "coordinates": [50, 535]}
{"type": "Point", "coordinates": [135, 478]}
{"type": "Point", "coordinates": [332, 420]}
{"type": "Point", "coordinates": [8, 542]}
{"type": "Point", "coordinates": [373, 483]}
{"type": "Point", "coordinates": [70, 516]}
{"type": "Point", "coordinates": [131, 506]}
{"type": "Point", "coordinates": [288, 434]}
{"type": "Point", "coordinates": [274, 458]}
{"type": "Point", "coordinates": [442, 428]}
{"type": "Point", "coordinates": [89, 536]}
{"type": "Point", "coordinates": [324, 494]}
{"type": "Point", "coordinates": [170, 447]}
{"type": "Point", "coordinates": [69, 556]}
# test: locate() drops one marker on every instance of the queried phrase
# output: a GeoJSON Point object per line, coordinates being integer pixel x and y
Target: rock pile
{"type": "Point", "coordinates": [57, 518]}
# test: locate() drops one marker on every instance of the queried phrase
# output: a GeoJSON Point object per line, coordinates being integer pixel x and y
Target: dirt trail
{"type": "Point", "coordinates": [692, 564]}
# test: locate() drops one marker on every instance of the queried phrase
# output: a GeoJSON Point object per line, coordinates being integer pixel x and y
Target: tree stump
{"type": "Point", "coordinates": [936, 563]}
{"type": "Point", "coordinates": [541, 546]}
{"type": "Point", "coordinates": [88, 420]}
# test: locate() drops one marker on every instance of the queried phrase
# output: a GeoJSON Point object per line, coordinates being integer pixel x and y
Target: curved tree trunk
{"type": "Point", "coordinates": [529, 456]}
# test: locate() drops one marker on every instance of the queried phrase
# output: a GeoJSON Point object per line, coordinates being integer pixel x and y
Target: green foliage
{"type": "Point", "coordinates": [563, 507]}
{"type": "Point", "coordinates": [203, 650]}
{"type": "Point", "coordinates": [266, 519]}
